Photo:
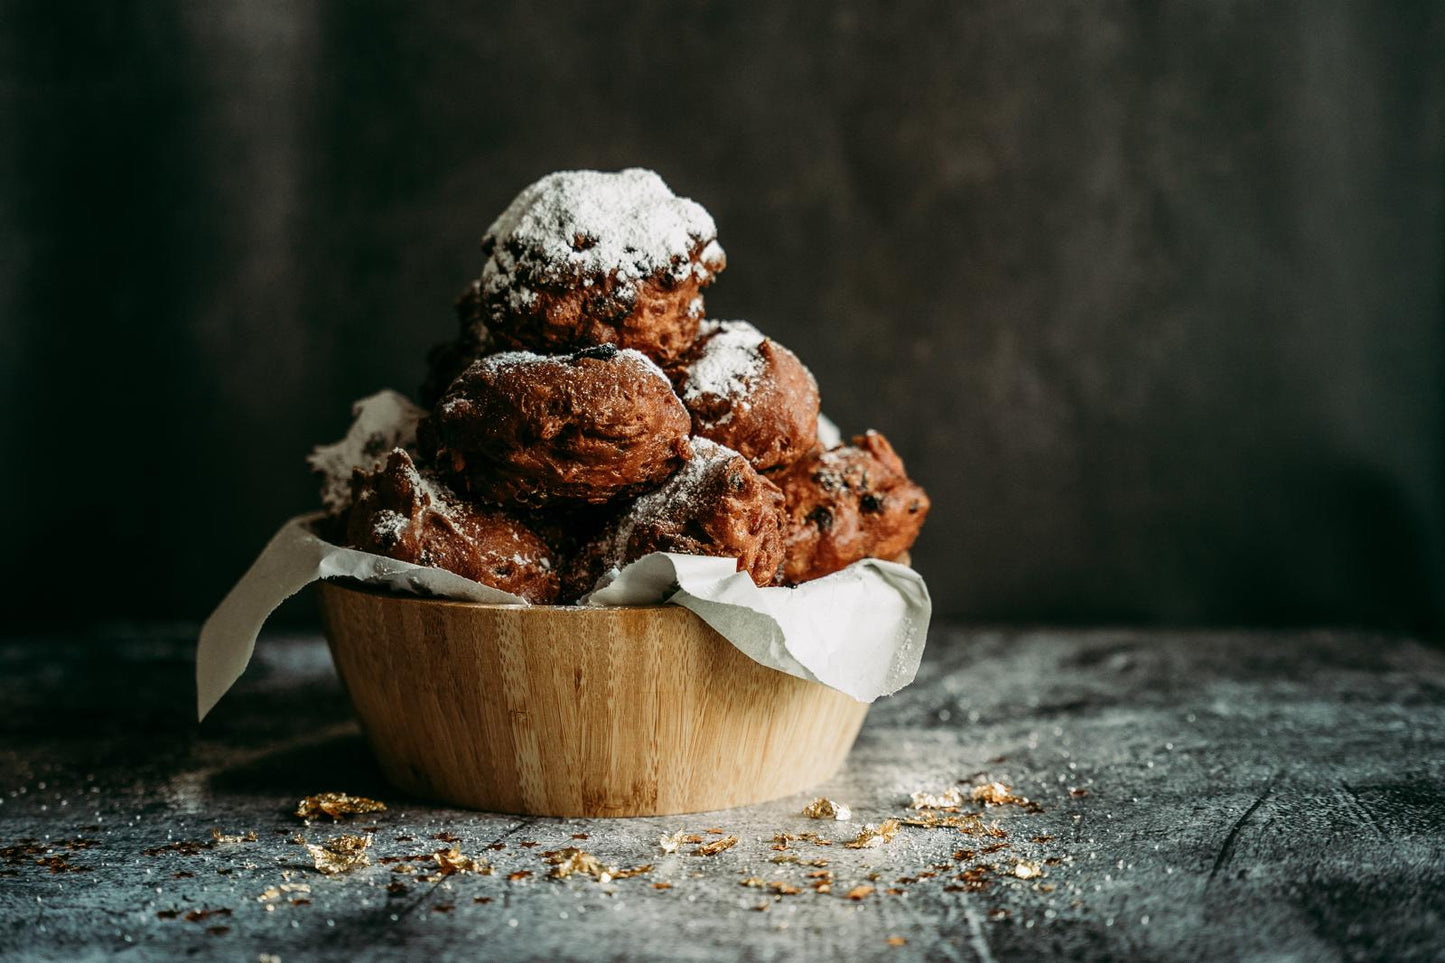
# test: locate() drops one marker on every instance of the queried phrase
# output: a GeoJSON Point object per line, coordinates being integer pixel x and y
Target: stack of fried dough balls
{"type": "Point", "coordinates": [588, 413]}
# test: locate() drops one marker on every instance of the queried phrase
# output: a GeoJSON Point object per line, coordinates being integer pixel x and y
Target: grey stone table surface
{"type": "Point", "coordinates": [1198, 796]}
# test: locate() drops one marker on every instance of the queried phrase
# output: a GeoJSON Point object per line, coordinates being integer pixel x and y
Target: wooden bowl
{"type": "Point", "coordinates": [568, 711]}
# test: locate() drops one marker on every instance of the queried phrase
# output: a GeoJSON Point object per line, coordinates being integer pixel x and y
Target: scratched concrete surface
{"type": "Point", "coordinates": [1205, 796]}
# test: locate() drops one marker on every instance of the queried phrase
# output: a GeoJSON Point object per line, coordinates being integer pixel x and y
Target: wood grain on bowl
{"type": "Point", "coordinates": [568, 711]}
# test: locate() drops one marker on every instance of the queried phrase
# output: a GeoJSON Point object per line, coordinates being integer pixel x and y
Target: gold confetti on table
{"type": "Point", "coordinates": [340, 854]}
{"type": "Point", "coordinates": [824, 808]}
{"type": "Point", "coordinates": [336, 805]}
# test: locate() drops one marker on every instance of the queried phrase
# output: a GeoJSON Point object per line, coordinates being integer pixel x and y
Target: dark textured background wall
{"type": "Point", "coordinates": [1148, 295]}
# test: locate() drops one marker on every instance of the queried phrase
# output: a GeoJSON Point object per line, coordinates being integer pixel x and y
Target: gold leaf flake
{"type": "Point", "coordinates": [273, 893]}
{"type": "Point", "coordinates": [997, 794]}
{"type": "Point", "coordinates": [897, 941]}
{"type": "Point", "coordinates": [783, 841]}
{"type": "Point", "coordinates": [716, 846]}
{"type": "Point", "coordinates": [871, 836]}
{"type": "Point", "coordinates": [784, 858]}
{"type": "Point", "coordinates": [1024, 869]}
{"type": "Point", "coordinates": [634, 871]}
{"type": "Point", "coordinates": [336, 805]}
{"type": "Point", "coordinates": [451, 861]}
{"type": "Point", "coordinates": [340, 854]}
{"type": "Point", "coordinates": [950, 798]}
{"type": "Point", "coordinates": [783, 888]}
{"type": "Point", "coordinates": [573, 860]}
{"type": "Point", "coordinates": [859, 893]}
{"type": "Point", "coordinates": [968, 823]}
{"type": "Point", "coordinates": [221, 838]}
{"type": "Point", "coordinates": [566, 862]}
{"type": "Point", "coordinates": [754, 882]}
{"type": "Point", "coordinates": [824, 808]}
{"type": "Point", "coordinates": [670, 844]}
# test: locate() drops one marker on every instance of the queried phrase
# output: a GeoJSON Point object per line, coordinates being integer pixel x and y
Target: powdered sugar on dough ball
{"type": "Point", "coordinates": [591, 257]}
{"type": "Point", "coordinates": [407, 513]}
{"type": "Point", "coordinates": [678, 497]}
{"type": "Point", "coordinates": [748, 392]}
{"type": "Point", "coordinates": [729, 363]}
{"type": "Point", "coordinates": [528, 429]}
{"type": "Point", "coordinates": [573, 225]}
{"type": "Point", "coordinates": [715, 505]}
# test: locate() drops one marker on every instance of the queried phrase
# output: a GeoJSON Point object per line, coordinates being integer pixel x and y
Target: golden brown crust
{"type": "Point", "coordinates": [718, 505]}
{"type": "Point", "coordinates": [406, 514]}
{"type": "Point", "coordinates": [849, 503]}
{"type": "Point", "coordinates": [524, 429]}
{"type": "Point", "coordinates": [750, 393]}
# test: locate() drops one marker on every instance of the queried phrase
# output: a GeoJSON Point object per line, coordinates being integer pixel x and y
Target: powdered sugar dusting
{"type": "Point", "coordinates": [382, 421]}
{"type": "Point", "coordinates": [729, 364]}
{"type": "Point", "coordinates": [645, 363]}
{"type": "Point", "coordinates": [503, 360]}
{"type": "Point", "coordinates": [508, 360]}
{"type": "Point", "coordinates": [676, 496]}
{"type": "Point", "coordinates": [573, 226]}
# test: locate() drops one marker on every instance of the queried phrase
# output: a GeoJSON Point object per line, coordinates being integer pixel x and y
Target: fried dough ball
{"type": "Point", "coordinates": [717, 505]}
{"type": "Point", "coordinates": [527, 429]}
{"type": "Point", "coordinates": [850, 502]}
{"type": "Point", "coordinates": [410, 515]}
{"type": "Point", "coordinates": [750, 393]}
{"type": "Point", "coordinates": [582, 258]}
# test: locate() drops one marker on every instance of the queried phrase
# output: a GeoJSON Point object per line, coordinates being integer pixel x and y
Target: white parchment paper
{"type": "Point", "coordinates": [860, 631]}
